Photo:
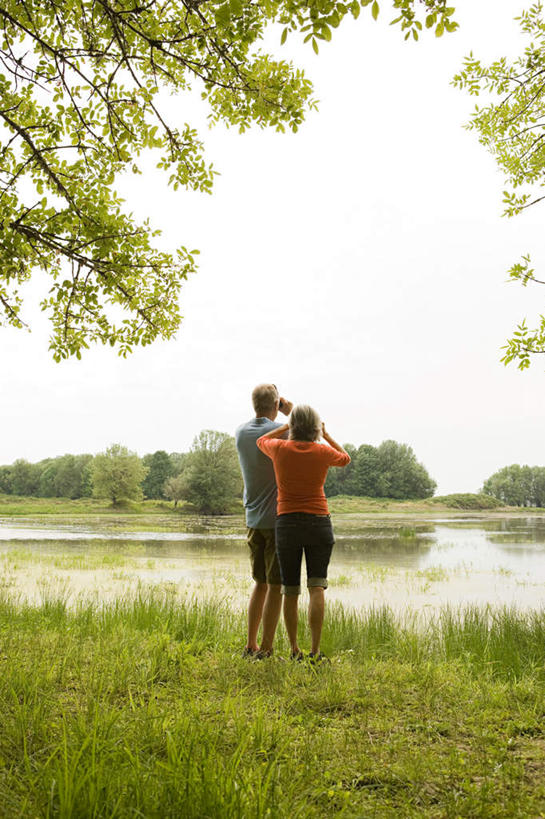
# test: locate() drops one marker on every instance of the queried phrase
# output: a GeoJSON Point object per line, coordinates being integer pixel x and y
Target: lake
{"type": "Point", "coordinates": [418, 563]}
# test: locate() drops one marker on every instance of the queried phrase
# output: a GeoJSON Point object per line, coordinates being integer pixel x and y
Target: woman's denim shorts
{"type": "Point", "coordinates": [299, 532]}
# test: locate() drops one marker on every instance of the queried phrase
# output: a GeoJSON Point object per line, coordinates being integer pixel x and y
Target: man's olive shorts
{"type": "Point", "coordinates": [265, 568]}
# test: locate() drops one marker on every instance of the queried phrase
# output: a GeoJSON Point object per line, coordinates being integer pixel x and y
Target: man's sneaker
{"type": "Point", "coordinates": [318, 657]}
{"type": "Point", "coordinates": [297, 656]}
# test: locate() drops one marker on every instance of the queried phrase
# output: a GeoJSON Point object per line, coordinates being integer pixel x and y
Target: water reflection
{"type": "Point", "coordinates": [424, 562]}
{"type": "Point", "coordinates": [382, 551]}
{"type": "Point", "coordinates": [131, 547]}
{"type": "Point", "coordinates": [22, 533]}
{"type": "Point", "coordinates": [482, 543]}
{"type": "Point", "coordinates": [531, 525]}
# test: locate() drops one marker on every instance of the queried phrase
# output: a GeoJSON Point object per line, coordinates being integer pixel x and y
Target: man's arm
{"type": "Point", "coordinates": [279, 432]}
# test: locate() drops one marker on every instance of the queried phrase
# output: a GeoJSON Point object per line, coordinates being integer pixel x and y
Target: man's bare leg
{"type": "Point", "coordinates": [316, 607]}
{"type": "Point", "coordinates": [271, 615]}
{"type": "Point", "coordinates": [255, 613]}
{"type": "Point", "coordinates": [291, 614]}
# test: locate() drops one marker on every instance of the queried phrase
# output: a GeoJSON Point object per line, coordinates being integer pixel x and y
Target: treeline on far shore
{"type": "Point", "coordinates": [208, 476]}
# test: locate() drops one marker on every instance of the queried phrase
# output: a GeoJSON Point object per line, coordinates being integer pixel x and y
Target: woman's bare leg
{"type": "Point", "coordinates": [291, 614]}
{"type": "Point", "coordinates": [316, 607]}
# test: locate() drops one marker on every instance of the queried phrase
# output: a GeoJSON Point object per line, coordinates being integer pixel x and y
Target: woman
{"type": "Point", "coordinates": [303, 522]}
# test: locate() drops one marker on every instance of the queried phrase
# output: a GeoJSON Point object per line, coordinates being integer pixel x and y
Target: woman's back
{"type": "Point", "coordinates": [301, 469]}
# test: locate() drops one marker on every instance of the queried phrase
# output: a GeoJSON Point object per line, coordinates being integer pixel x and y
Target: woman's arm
{"type": "Point", "coordinates": [327, 437]}
{"type": "Point", "coordinates": [278, 432]}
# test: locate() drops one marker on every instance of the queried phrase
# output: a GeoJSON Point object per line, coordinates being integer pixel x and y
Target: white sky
{"type": "Point", "coordinates": [360, 265]}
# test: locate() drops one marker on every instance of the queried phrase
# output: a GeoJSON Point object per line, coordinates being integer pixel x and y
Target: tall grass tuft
{"type": "Point", "coordinates": [501, 640]}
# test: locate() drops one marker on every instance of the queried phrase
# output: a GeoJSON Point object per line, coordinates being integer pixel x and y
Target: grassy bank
{"type": "Point", "coordinates": [456, 503]}
{"type": "Point", "coordinates": [15, 506]}
{"type": "Point", "coordinates": [147, 515]}
{"type": "Point", "coordinates": [145, 708]}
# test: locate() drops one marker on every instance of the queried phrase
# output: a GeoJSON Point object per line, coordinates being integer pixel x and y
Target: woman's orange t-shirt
{"type": "Point", "coordinates": [301, 469]}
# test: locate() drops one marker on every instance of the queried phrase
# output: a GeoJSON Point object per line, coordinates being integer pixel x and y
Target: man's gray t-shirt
{"type": "Point", "coordinates": [258, 474]}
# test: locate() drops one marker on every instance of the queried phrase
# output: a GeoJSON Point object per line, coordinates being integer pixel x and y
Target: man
{"type": "Point", "coordinates": [260, 505]}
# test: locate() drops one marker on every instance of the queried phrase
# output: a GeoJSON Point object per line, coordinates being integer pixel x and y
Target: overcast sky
{"type": "Point", "coordinates": [359, 264]}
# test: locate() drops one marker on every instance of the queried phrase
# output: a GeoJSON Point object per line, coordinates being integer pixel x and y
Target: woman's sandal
{"type": "Point", "coordinates": [318, 657]}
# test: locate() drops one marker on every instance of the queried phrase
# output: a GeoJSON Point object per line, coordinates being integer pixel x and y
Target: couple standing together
{"type": "Point", "coordinates": [284, 470]}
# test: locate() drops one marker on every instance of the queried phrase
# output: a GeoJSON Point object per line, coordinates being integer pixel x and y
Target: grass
{"type": "Point", "coordinates": [466, 500]}
{"type": "Point", "coordinates": [348, 504]}
{"type": "Point", "coordinates": [16, 558]}
{"type": "Point", "coordinates": [15, 506]}
{"type": "Point", "coordinates": [143, 707]}
{"type": "Point", "coordinates": [12, 505]}
{"type": "Point", "coordinates": [376, 574]}
{"type": "Point", "coordinates": [341, 580]}
{"type": "Point", "coordinates": [434, 574]}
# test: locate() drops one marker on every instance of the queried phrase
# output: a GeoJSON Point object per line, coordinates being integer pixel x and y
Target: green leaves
{"type": "Point", "coordinates": [524, 344]}
{"type": "Point", "coordinates": [223, 15]}
{"type": "Point", "coordinates": [389, 470]}
{"type": "Point", "coordinates": [522, 272]}
{"type": "Point", "coordinates": [437, 16]}
{"type": "Point", "coordinates": [517, 485]}
{"type": "Point", "coordinates": [512, 130]}
{"type": "Point", "coordinates": [315, 20]}
{"type": "Point", "coordinates": [212, 476]}
{"type": "Point", "coordinates": [80, 89]}
{"type": "Point", "coordinates": [117, 474]}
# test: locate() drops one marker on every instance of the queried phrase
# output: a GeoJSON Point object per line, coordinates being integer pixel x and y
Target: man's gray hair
{"type": "Point", "coordinates": [305, 424]}
{"type": "Point", "coordinates": [264, 398]}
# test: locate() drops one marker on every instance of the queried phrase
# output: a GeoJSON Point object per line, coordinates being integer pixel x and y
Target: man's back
{"type": "Point", "coordinates": [258, 474]}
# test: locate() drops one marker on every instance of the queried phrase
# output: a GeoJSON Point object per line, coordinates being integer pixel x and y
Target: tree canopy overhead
{"type": "Point", "coordinates": [79, 102]}
{"type": "Point", "coordinates": [513, 130]}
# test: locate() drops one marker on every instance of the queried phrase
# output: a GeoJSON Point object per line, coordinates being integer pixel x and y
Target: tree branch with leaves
{"type": "Point", "coordinates": [513, 130]}
{"type": "Point", "coordinates": [80, 103]}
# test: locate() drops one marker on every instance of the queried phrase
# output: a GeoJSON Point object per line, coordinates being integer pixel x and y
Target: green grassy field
{"type": "Point", "coordinates": [144, 708]}
{"type": "Point", "coordinates": [13, 506]}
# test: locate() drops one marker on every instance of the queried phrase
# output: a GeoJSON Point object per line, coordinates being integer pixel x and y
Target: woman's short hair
{"type": "Point", "coordinates": [305, 424]}
{"type": "Point", "coordinates": [264, 398]}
